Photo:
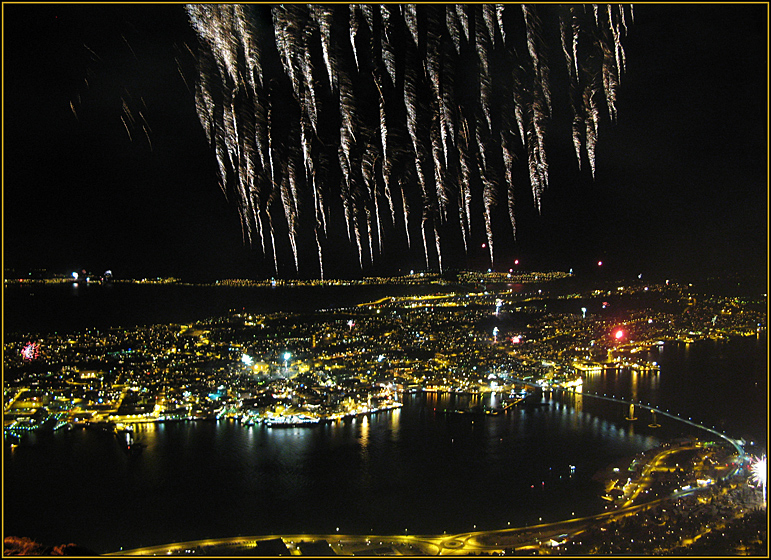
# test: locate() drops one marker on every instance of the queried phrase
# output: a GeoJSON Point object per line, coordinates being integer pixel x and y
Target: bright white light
{"type": "Point", "coordinates": [75, 275]}
{"type": "Point", "coordinates": [287, 356]}
{"type": "Point", "coordinates": [247, 359]}
{"type": "Point", "coordinates": [759, 472]}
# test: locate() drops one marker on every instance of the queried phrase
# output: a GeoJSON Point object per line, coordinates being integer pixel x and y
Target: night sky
{"type": "Point", "coordinates": [681, 184]}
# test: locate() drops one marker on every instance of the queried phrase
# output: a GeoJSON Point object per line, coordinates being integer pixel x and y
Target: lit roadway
{"type": "Point", "coordinates": [520, 539]}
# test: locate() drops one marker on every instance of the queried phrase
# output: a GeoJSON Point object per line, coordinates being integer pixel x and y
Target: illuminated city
{"type": "Point", "coordinates": [299, 370]}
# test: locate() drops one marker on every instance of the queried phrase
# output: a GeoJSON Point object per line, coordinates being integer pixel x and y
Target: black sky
{"type": "Point", "coordinates": [681, 186]}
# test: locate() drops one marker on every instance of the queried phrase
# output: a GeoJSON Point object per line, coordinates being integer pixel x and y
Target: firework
{"type": "Point", "coordinates": [331, 107]}
{"type": "Point", "coordinates": [31, 351]}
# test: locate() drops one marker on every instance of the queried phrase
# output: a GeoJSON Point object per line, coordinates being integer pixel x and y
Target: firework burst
{"type": "Point", "coordinates": [310, 106]}
{"type": "Point", "coordinates": [31, 351]}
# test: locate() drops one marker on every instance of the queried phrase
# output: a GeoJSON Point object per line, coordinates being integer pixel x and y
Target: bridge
{"type": "Point", "coordinates": [737, 444]}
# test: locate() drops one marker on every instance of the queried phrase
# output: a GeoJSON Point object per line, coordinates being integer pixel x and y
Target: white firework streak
{"type": "Point", "coordinates": [616, 32]}
{"type": "Point", "coordinates": [508, 164]}
{"type": "Point", "coordinates": [609, 82]}
{"type": "Point", "coordinates": [425, 242]}
{"type": "Point", "coordinates": [386, 165]}
{"type": "Point", "coordinates": [368, 215]}
{"type": "Point", "coordinates": [321, 258]}
{"type": "Point", "coordinates": [272, 237]}
{"type": "Point", "coordinates": [446, 115]}
{"type": "Point", "coordinates": [387, 54]}
{"type": "Point", "coordinates": [290, 209]}
{"type": "Point", "coordinates": [345, 191]}
{"type": "Point", "coordinates": [575, 26]}
{"type": "Point", "coordinates": [465, 191]}
{"type": "Point", "coordinates": [452, 24]}
{"type": "Point", "coordinates": [410, 15]}
{"type": "Point", "coordinates": [534, 47]}
{"type": "Point", "coordinates": [309, 97]}
{"type": "Point", "coordinates": [566, 35]}
{"type": "Point", "coordinates": [499, 9]}
{"type": "Point", "coordinates": [406, 214]}
{"type": "Point", "coordinates": [368, 173]}
{"type": "Point", "coordinates": [532, 160]}
{"type": "Point", "coordinates": [209, 21]}
{"type": "Point", "coordinates": [322, 15]}
{"type": "Point", "coordinates": [481, 148]}
{"type": "Point", "coordinates": [247, 32]}
{"type": "Point", "coordinates": [438, 248]}
{"type": "Point", "coordinates": [284, 45]}
{"type": "Point", "coordinates": [565, 48]}
{"type": "Point", "coordinates": [488, 197]}
{"type": "Point", "coordinates": [488, 15]}
{"type": "Point", "coordinates": [463, 17]}
{"type": "Point", "coordinates": [441, 189]}
{"type": "Point", "coordinates": [260, 130]}
{"type": "Point", "coordinates": [539, 122]}
{"type": "Point", "coordinates": [433, 63]}
{"type": "Point", "coordinates": [369, 16]}
{"type": "Point", "coordinates": [485, 86]}
{"type": "Point", "coordinates": [353, 29]}
{"type": "Point", "coordinates": [592, 119]}
{"type": "Point", "coordinates": [357, 235]}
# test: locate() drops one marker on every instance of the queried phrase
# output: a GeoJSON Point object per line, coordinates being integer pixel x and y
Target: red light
{"type": "Point", "coordinates": [599, 263]}
{"type": "Point", "coordinates": [619, 334]}
{"type": "Point", "coordinates": [516, 261]}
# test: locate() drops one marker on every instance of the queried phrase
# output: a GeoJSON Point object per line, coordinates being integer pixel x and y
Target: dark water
{"type": "Point", "coordinates": [413, 469]}
{"type": "Point", "coordinates": [68, 307]}
{"type": "Point", "coordinates": [410, 469]}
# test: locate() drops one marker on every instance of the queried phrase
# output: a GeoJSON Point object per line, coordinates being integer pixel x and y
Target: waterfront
{"type": "Point", "coordinates": [412, 470]}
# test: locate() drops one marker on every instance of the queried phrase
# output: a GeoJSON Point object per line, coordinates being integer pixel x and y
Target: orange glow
{"type": "Point", "coordinates": [619, 334]}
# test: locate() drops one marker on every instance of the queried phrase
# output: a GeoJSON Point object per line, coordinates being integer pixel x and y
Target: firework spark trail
{"type": "Point", "coordinates": [591, 122]}
{"type": "Point", "coordinates": [323, 17]}
{"type": "Point", "coordinates": [463, 18]}
{"type": "Point", "coordinates": [368, 174]}
{"type": "Point", "coordinates": [488, 188]}
{"type": "Point", "coordinates": [353, 29]}
{"type": "Point", "coordinates": [321, 256]}
{"type": "Point", "coordinates": [489, 16]}
{"type": "Point", "coordinates": [439, 176]}
{"type": "Point", "coordinates": [485, 83]}
{"type": "Point", "coordinates": [508, 164]}
{"type": "Point", "coordinates": [465, 185]}
{"type": "Point", "coordinates": [452, 23]}
{"type": "Point", "coordinates": [535, 47]}
{"type": "Point", "coordinates": [386, 160]}
{"type": "Point", "coordinates": [410, 15]}
{"type": "Point", "coordinates": [411, 103]}
{"type": "Point", "coordinates": [271, 150]}
{"type": "Point", "coordinates": [388, 54]}
{"type": "Point", "coordinates": [499, 9]}
{"type": "Point", "coordinates": [406, 213]}
{"type": "Point", "coordinates": [438, 248]}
